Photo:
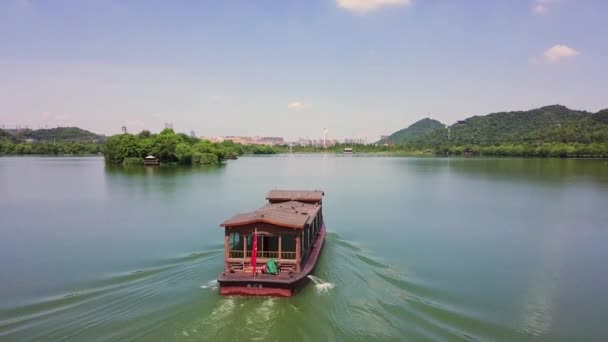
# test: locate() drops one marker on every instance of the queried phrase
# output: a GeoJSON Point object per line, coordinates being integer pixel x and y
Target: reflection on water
{"type": "Point", "coordinates": [163, 171]}
{"type": "Point", "coordinates": [516, 169]}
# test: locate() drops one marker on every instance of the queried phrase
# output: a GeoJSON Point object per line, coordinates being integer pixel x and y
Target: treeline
{"type": "Point", "coordinates": [522, 150]}
{"type": "Point", "coordinates": [358, 148]}
{"type": "Point", "coordinates": [172, 148]}
{"type": "Point", "coordinates": [531, 150]}
{"type": "Point", "coordinates": [9, 147]}
{"type": "Point", "coordinates": [64, 134]}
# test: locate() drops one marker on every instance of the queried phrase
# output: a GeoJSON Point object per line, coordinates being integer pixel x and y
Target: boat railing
{"type": "Point", "coordinates": [235, 254]}
{"type": "Point", "coordinates": [265, 254]}
{"type": "Point", "coordinates": [288, 255]}
{"type": "Point", "coordinates": [262, 254]}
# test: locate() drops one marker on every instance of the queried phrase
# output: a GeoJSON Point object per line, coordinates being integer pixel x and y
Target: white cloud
{"type": "Point", "coordinates": [558, 52]}
{"type": "Point", "coordinates": [295, 105]}
{"type": "Point", "coordinates": [364, 6]}
{"type": "Point", "coordinates": [541, 6]}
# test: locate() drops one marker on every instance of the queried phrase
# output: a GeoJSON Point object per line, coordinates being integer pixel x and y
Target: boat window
{"type": "Point", "coordinates": [309, 238]}
{"type": "Point", "coordinates": [249, 243]}
{"type": "Point", "coordinates": [288, 246]}
{"type": "Point", "coordinates": [236, 242]}
{"type": "Point", "coordinates": [269, 243]}
{"type": "Point", "coordinates": [288, 243]}
{"type": "Point", "coordinates": [311, 234]}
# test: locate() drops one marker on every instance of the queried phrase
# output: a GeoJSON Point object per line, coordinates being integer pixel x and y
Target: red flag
{"type": "Point", "coordinates": [254, 253]}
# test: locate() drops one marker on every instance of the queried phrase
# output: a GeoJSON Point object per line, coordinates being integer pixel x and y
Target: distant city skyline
{"type": "Point", "coordinates": [359, 68]}
{"type": "Point", "coordinates": [192, 133]}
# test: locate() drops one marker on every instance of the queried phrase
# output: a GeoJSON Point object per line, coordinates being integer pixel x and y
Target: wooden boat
{"type": "Point", "coordinates": [289, 229]}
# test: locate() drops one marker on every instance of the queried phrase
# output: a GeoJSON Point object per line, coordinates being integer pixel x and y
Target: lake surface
{"type": "Point", "coordinates": [418, 249]}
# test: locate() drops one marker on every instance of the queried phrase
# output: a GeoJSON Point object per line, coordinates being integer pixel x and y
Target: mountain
{"type": "Point", "coordinates": [73, 134]}
{"type": "Point", "coordinates": [546, 124]}
{"type": "Point", "coordinates": [413, 132]}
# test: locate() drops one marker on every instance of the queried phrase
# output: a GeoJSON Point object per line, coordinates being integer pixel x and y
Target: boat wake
{"type": "Point", "coordinates": [385, 299]}
{"type": "Point", "coordinates": [211, 284]}
{"type": "Point", "coordinates": [320, 284]}
{"type": "Point", "coordinates": [90, 310]}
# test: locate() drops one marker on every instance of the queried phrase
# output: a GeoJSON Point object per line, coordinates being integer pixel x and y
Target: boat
{"type": "Point", "coordinates": [272, 250]}
{"type": "Point", "coordinates": [348, 150]}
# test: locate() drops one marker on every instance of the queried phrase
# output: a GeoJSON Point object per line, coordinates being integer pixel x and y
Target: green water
{"type": "Point", "coordinates": [418, 249]}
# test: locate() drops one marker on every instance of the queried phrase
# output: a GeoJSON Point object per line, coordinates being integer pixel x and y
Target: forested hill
{"type": "Point", "coordinates": [4, 135]}
{"type": "Point", "coordinates": [547, 124]}
{"type": "Point", "coordinates": [59, 134]}
{"type": "Point", "coordinates": [601, 116]}
{"type": "Point", "coordinates": [413, 132]}
{"type": "Point", "coordinates": [55, 141]}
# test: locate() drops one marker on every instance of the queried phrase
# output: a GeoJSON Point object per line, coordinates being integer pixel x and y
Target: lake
{"type": "Point", "coordinates": [417, 249]}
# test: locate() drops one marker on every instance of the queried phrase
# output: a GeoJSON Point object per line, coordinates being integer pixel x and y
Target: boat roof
{"type": "Point", "coordinates": [291, 214]}
{"type": "Point", "coordinates": [295, 195]}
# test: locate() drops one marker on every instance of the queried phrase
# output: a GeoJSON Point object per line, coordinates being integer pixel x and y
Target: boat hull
{"type": "Point", "coordinates": [268, 285]}
{"type": "Point", "coordinates": [254, 291]}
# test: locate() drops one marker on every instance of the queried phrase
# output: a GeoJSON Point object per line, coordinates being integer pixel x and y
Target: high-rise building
{"type": "Point", "coordinates": [355, 141]}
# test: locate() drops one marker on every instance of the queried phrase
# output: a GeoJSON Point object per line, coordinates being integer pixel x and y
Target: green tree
{"type": "Point", "coordinates": [199, 158]}
{"type": "Point", "coordinates": [121, 146]}
{"type": "Point", "coordinates": [165, 145]}
{"type": "Point", "coordinates": [144, 134]}
{"type": "Point", "coordinates": [183, 152]}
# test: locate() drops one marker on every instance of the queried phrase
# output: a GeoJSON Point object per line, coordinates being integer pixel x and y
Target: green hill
{"type": "Point", "coordinates": [413, 132]}
{"type": "Point", "coordinates": [601, 116]}
{"type": "Point", "coordinates": [73, 134]}
{"type": "Point", "coordinates": [547, 124]}
{"type": "Point", "coordinates": [5, 136]}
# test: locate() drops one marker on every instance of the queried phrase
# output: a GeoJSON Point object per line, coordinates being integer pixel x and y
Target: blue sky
{"type": "Point", "coordinates": [361, 68]}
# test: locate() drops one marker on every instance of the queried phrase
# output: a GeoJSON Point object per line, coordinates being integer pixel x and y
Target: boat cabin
{"type": "Point", "coordinates": [286, 230]}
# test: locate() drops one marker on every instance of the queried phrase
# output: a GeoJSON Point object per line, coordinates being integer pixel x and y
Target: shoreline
{"type": "Point", "coordinates": [367, 153]}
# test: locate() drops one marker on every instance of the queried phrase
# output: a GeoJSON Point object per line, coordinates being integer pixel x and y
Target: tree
{"type": "Point", "coordinates": [121, 146]}
{"type": "Point", "coordinates": [144, 134]}
{"type": "Point", "coordinates": [164, 146]}
{"type": "Point", "coordinates": [183, 152]}
{"type": "Point", "coordinates": [199, 158]}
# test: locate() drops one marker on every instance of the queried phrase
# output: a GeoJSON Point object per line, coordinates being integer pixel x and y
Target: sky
{"type": "Point", "coordinates": [360, 68]}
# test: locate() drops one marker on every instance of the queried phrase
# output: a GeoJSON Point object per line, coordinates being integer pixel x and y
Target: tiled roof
{"type": "Point", "coordinates": [295, 195]}
{"type": "Point", "coordinates": [291, 214]}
